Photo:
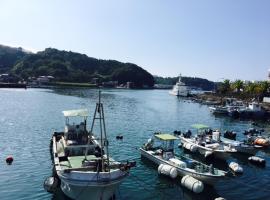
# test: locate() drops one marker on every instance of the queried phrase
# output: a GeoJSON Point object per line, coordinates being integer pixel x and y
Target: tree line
{"type": "Point", "coordinates": [243, 89]}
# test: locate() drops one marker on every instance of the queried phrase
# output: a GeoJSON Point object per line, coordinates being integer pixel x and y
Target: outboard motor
{"type": "Point", "coordinates": [187, 134]}
{"type": "Point", "coordinates": [230, 135]}
{"type": "Point", "coordinates": [177, 132]}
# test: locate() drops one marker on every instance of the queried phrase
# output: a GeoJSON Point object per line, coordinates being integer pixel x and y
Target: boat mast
{"type": "Point", "coordinates": [103, 139]}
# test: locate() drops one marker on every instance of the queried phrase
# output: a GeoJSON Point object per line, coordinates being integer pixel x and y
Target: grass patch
{"type": "Point", "coordinates": [70, 84]}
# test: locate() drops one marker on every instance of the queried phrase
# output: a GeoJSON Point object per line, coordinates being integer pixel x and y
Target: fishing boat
{"type": "Point", "coordinates": [254, 110]}
{"type": "Point", "coordinates": [206, 143]}
{"type": "Point", "coordinates": [242, 147]}
{"type": "Point", "coordinates": [222, 110]}
{"type": "Point", "coordinates": [81, 159]}
{"type": "Point", "coordinates": [160, 150]}
{"type": "Point", "coordinates": [180, 89]}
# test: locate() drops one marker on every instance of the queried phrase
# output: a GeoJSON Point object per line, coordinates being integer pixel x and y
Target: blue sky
{"type": "Point", "coordinates": [212, 39]}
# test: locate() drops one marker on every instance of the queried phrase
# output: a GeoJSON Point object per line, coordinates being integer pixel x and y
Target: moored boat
{"type": "Point", "coordinates": [207, 143]}
{"type": "Point", "coordinates": [163, 153]}
{"type": "Point", "coordinates": [82, 162]}
{"type": "Point", "coordinates": [242, 147]}
{"type": "Point", "coordinates": [180, 89]}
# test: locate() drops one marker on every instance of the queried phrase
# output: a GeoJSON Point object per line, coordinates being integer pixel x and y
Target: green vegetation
{"type": "Point", "coordinates": [9, 56]}
{"type": "Point", "coordinates": [64, 84]}
{"type": "Point", "coordinates": [244, 90]}
{"type": "Point", "coordinates": [204, 84]}
{"type": "Point", "coordinates": [67, 66]}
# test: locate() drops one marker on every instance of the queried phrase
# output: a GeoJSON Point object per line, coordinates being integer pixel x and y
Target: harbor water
{"type": "Point", "coordinates": [28, 118]}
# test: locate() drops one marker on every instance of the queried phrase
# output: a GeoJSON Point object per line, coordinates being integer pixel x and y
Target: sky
{"type": "Point", "coordinates": [213, 39]}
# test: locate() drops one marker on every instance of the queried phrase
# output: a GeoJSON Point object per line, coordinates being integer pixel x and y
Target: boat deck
{"type": "Point", "coordinates": [76, 161]}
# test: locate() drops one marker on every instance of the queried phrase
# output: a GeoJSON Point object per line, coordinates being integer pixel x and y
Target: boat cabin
{"type": "Point", "coordinates": [76, 136]}
{"type": "Point", "coordinates": [254, 106]}
{"type": "Point", "coordinates": [164, 145]}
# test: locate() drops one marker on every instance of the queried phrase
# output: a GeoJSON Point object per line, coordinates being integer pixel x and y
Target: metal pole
{"type": "Point", "coordinates": [90, 135]}
{"type": "Point", "coordinates": [105, 135]}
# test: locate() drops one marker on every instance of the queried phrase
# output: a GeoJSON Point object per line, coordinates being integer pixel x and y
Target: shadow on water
{"type": "Point", "coordinates": [59, 195]}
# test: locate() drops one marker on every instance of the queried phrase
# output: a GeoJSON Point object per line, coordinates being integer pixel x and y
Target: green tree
{"type": "Point", "coordinates": [238, 85]}
{"type": "Point", "coordinates": [225, 87]}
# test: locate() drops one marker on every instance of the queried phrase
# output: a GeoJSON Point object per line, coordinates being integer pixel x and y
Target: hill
{"type": "Point", "coordinates": [9, 56]}
{"type": "Point", "coordinates": [204, 84]}
{"type": "Point", "coordinates": [69, 66]}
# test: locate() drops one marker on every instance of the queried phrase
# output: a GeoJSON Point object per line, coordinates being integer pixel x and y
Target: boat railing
{"type": "Point", "coordinates": [197, 166]}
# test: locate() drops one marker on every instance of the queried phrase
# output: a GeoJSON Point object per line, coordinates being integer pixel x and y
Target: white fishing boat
{"type": "Point", "coordinates": [82, 161]}
{"type": "Point", "coordinates": [218, 109]}
{"type": "Point", "coordinates": [231, 107]}
{"type": "Point", "coordinates": [206, 144]}
{"type": "Point", "coordinates": [242, 147]}
{"type": "Point", "coordinates": [160, 150]}
{"type": "Point", "coordinates": [180, 89]}
{"type": "Point", "coordinates": [254, 110]}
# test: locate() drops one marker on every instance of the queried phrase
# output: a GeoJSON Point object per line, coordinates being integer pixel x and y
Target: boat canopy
{"type": "Point", "coordinates": [200, 126]}
{"type": "Point", "coordinates": [166, 137]}
{"type": "Point", "coordinates": [76, 113]}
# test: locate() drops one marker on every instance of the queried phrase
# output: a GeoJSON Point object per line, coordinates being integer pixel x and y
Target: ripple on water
{"type": "Point", "coordinates": [29, 117]}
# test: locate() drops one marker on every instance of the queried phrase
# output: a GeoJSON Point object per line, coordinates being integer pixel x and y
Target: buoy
{"type": "Point", "coordinates": [236, 167]}
{"type": "Point", "coordinates": [167, 170]}
{"type": "Point", "coordinates": [9, 160]}
{"type": "Point", "coordinates": [192, 184]}
{"type": "Point", "coordinates": [50, 184]}
{"type": "Point", "coordinates": [119, 137]}
{"type": "Point", "coordinates": [190, 147]}
{"type": "Point", "coordinates": [257, 160]}
{"type": "Point", "coordinates": [220, 198]}
{"type": "Point", "coordinates": [261, 142]}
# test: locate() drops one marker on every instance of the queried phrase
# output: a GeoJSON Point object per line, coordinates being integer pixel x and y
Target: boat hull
{"type": "Point", "coordinates": [208, 179]}
{"type": "Point", "coordinates": [220, 154]}
{"type": "Point", "coordinates": [86, 190]}
{"type": "Point", "coordinates": [85, 185]}
{"type": "Point", "coordinates": [179, 94]}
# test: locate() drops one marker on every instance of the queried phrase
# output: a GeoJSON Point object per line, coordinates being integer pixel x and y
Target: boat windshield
{"type": "Point", "coordinates": [165, 141]}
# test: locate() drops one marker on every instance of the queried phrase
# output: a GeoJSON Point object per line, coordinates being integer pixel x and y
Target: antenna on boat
{"type": "Point", "coordinates": [103, 138]}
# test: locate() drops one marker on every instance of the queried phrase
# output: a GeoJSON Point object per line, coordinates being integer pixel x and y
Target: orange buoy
{"type": "Point", "coordinates": [9, 160]}
{"type": "Point", "coordinates": [261, 142]}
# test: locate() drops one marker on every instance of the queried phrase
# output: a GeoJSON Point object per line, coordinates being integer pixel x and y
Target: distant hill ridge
{"type": "Point", "coordinates": [68, 66]}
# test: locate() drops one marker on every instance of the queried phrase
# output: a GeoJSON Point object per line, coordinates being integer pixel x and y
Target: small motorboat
{"type": "Point", "coordinates": [160, 150]}
{"type": "Point", "coordinates": [242, 147]}
{"type": "Point", "coordinates": [208, 143]}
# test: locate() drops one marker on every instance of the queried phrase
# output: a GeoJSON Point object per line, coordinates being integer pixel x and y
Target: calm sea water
{"type": "Point", "coordinates": [28, 118]}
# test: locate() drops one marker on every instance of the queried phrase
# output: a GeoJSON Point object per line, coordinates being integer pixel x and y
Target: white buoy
{"type": "Point", "coordinates": [220, 198]}
{"type": "Point", "coordinates": [236, 167]}
{"type": "Point", "coordinates": [190, 147]}
{"type": "Point", "coordinates": [192, 184]}
{"type": "Point", "coordinates": [257, 160]}
{"type": "Point", "coordinates": [167, 170]}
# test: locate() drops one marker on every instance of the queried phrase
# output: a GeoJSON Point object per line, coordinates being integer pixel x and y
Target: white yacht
{"type": "Point", "coordinates": [180, 89]}
{"type": "Point", "coordinates": [82, 161]}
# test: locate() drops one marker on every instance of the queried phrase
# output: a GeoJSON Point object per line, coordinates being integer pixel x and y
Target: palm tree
{"type": "Point", "coordinates": [250, 88]}
{"type": "Point", "coordinates": [264, 85]}
{"type": "Point", "coordinates": [238, 85]}
{"type": "Point", "coordinates": [226, 86]}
